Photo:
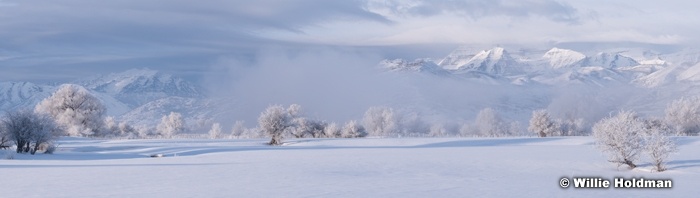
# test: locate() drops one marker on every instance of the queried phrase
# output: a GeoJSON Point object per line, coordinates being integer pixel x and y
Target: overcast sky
{"type": "Point", "coordinates": [183, 34]}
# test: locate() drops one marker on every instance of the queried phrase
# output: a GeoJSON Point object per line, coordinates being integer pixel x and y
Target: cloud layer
{"type": "Point", "coordinates": [70, 34]}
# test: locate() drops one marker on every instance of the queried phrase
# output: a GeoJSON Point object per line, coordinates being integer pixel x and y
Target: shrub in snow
{"type": "Point", "coordinates": [489, 123]}
{"type": "Point", "coordinates": [238, 129]}
{"type": "Point", "coordinates": [274, 121]}
{"type": "Point", "coordinates": [684, 113]}
{"type": "Point", "coordinates": [542, 124]}
{"type": "Point", "coordinates": [51, 148]}
{"type": "Point", "coordinates": [215, 131]}
{"type": "Point", "coordinates": [74, 109]}
{"type": "Point", "coordinates": [29, 131]}
{"type": "Point", "coordinates": [658, 146]}
{"type": "Point", "coordinates": [353, 129]}
{"type": "Point", "coordinates": [171, 124]}
{"type": "Point", "coordinates": [381, 121]}
{"type": "Point", "coordinates": [620, 137]}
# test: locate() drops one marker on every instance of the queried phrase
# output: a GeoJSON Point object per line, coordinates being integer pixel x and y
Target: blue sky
{"type": "Point", "coordinates": [67, 38]}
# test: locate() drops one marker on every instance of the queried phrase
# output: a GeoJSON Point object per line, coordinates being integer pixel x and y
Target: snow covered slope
{"type": "Point", "coordinates": [133, 95]}
{"type": "Point", "coordinates": [139, 86]}
{"type": "Point", "coordinates": [15, 95]}
{"type": "Point", "coordinates": [610, 60]}
{"type": "Point", "coordinates": [418, 65]}
{"type": "Point", "coordinates": [495, 61]}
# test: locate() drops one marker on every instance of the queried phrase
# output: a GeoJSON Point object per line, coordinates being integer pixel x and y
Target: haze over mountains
{"type": "Point", "coordinates": [567, 82]}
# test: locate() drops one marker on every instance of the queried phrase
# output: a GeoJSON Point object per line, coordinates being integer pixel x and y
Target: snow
{"type": "Point", "coordinates": [495, 61]}
{"type": "Point", "coordinates": [690, 74]}
{"type": "Point", "coordinates": [610, 60]}
{"type": "Point", "coordinates": [458, 57]}
{"type": "Point", "coordinates": [371, 167]}
{"type": "Point", "coordinates": [418, 65]}
{"type": "Point", "coordinates": [19, 94]}
{"type": "Point", "coordinates": [562, 58]}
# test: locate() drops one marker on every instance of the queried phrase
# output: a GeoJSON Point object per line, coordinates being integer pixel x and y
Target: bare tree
{"type": "Point", "coordinates": [29, 130]}
{"type": "Point", "coordinates": [274, 121]}
{"type": "Point", "coordinates": [620, 137]}
{"type": "Point", "coordinates": [4, 137]}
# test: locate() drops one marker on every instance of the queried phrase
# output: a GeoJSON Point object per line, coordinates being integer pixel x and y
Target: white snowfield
{"type": "Point", "coordinates": [370, 167]}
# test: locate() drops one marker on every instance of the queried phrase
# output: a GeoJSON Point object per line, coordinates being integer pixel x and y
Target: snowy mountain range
{"type": "Point", "coordinates": [138, 96]}
{"type": "Point", "coordinates": [581, 84]}
{"type": "Point", "coordinates": [563, 66]}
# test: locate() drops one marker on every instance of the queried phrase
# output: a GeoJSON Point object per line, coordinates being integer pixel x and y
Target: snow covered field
{"type": "Point", "coordinates": [391, 167]}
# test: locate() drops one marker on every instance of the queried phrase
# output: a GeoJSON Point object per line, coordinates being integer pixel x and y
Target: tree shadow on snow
{"type": "Point", "coordinates": [679, 164]}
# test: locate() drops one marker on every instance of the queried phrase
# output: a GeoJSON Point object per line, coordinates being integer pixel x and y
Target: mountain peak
{"type": "Point", "coordinates": [610, 60]}
{"type": "Point", "coordinates": [496, 61]}
{"type": "Point", "coordinates": [561, 58]}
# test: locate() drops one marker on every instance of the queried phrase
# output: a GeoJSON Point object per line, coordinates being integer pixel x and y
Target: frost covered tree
{"type": "Point", "coordinates": [274, 121]}
{"type": "Point", "coordinates": [658, 146]}
{"type": "Point", "coordinates": [294, 110]}
{"type": "Point", "coordinates": [126, 130]}
{"type": "Point", "coordinates": [215, 131]}
{"type": "Point", "coordinates": [171, 124]}
{"type": "Point", "coordinates": [300, 126]}
{"type": "Point", "coordinates": [684, 114]}
{"type": "Point", "coordinates": [332, 130]}
{"type": "Point", "coordinates": [29, 130]}
{"type": "Point", "coordinates": [542, 124]}
{"type": "Point", "coordinates": [74, 109]}
{"type": "Point", "coordinates": [489, 123]}
{"type": "Point", "coordinates": [353, 129]}
{"type": "Point", "coordinates": [621, 137]}
{"type": "Point", "coordinates": [381, 121]}
{"type": "Point", "coordinates": [111, 127]}
{"type": "Point", "coordinates": [572, 126]}
{"type": "Point", "coordinates": [466, 130]}
{"type": "Point", "coordinates": [438, 130]}
{"type": "Point", "coordinates": [143, 131]}
{"type": "Point", "coordinates": [238, 129]}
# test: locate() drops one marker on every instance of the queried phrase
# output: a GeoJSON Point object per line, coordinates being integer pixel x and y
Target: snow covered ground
{"type": "Point", "coordinates": [391, 167]}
